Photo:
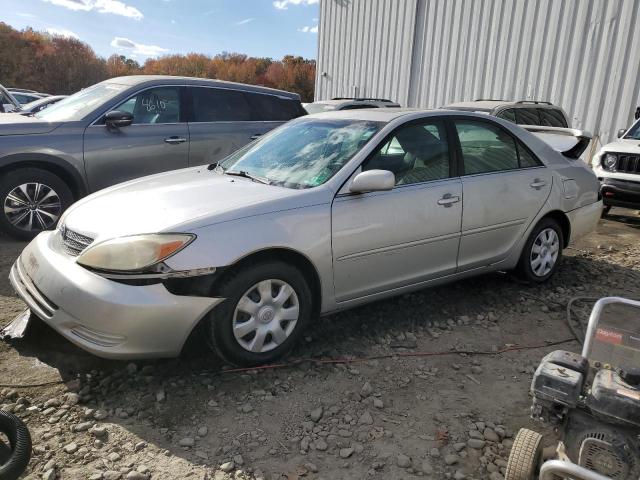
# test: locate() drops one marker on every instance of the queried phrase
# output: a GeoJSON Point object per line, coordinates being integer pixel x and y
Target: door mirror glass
{"type": "Point", "coordinates": [117, 119]}
{"type": "Point", "coordinates": [621, 132]}
{"type": "Point", "coordinates": [373, 181]}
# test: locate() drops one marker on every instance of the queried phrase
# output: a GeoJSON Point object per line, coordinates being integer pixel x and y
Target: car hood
{"type": "Point", "coordinates": [16, 124]}
{"type": "Point", "coordinates": [182, 200]}
{"type": "Point", "coordinates": [623, 145]}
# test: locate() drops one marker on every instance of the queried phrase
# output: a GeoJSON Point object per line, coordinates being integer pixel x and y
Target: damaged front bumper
{"type": "Point", "coordinates": [107, 318]}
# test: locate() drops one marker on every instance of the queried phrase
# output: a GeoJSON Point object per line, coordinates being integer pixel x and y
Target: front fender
{"type": "Point", "coordinates": [305, 230]}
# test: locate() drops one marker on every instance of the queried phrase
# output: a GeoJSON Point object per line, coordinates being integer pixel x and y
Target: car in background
{"type": "Point", "coordinates": [22, 90]}
{"type": "Point", "coordinates": [327, 212]}
{"type": "Point", "coordinates": [7, 102]}
{"type": "Point", "coordinates": [121, 129]}
{"type": "Point", "coordinates": [40, 104]}
{"type": "Point", "coordinates": [617, 166]}
{"type": "Point", "coordinates": [24, 98]}
{"type": "Point", "coordinates": [346, 103]}
{"type": "Point", "coordinates": [523, 112]}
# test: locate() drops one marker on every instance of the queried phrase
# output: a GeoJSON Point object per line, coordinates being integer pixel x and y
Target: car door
{"type": "Point", "coordinates": [410, 234]}
{"type": "Point", "coordinates": [156, 141]}
{"type": "Point", "coordinates": [223, 120]}
{"type": "Point", "coordinates": [504, 187]}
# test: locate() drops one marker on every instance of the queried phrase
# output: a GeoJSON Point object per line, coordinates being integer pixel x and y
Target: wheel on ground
{"type": "Point", "coordinates": [14, 457]}
{"type": "Point", "coordinates": [542, 251]}
{"type": "Point", "coordinates": [32, 200]}
{"type": "Point", "coordinates": [526, 456]}
{"type": "Point", "coordinates": [266, 309]}
{"type": "Point", "coordinates": [605, 211]}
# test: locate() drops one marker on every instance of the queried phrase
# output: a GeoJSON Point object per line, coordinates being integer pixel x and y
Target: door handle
{"type": "Point", "coordinates": [175, 140]}
{"type": "Point", "coordinates": [255, 136]}
{"type": "Point", "coordinates": [538, 184]}
{"type": "Point", "coordinates": [447, 200]}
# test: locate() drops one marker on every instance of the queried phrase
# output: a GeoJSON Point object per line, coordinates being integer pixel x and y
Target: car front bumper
{"type": "Point", "coordinates": [620, 193]}
{"type": "Point", "coordinates": [107, 318]}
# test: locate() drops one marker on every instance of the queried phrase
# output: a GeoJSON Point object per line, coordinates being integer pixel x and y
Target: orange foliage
{"type": "Point", "coordinates": [60, 65]}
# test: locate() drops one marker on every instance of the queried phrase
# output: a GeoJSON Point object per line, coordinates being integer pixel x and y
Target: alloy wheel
{"type": "Point", "coordinates": [265, 316]}
{"type": "Point", "coordinates": [544, 252]}
{"type": "Point", "coordinates": [32, 207]}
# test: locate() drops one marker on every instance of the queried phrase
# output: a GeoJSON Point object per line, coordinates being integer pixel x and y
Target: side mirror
{"type": "Point", "coordinates": [117, 119]}
{"type": "Point", "coordinates": [373, 181]}
{"type": "Point", "coordinates": [621, 132]}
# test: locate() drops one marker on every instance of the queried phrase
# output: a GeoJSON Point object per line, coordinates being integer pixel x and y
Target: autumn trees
{"type": "Point", "coordinates": [47, 63]}
{"type": "Point", "coordinates": [61, 65]}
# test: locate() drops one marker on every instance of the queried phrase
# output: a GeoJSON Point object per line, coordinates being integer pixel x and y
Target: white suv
{"type": "Point", "coordinates": [617, 166]}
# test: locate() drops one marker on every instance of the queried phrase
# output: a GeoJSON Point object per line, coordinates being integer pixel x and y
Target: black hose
{"type": "Point", "coordinates": [19, 448]}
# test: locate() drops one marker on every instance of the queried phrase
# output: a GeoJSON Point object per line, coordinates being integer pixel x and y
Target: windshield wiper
{"type": "Point", "coordinates": [245, 174]}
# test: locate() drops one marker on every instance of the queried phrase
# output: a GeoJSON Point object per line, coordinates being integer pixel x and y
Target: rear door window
{"type": "Point", "coordinates": [219, 105]}
{"type": "Point", "coordinates": [271, 108]}
{"type": "Point", "coordinates": [552, 117]}
{"type": "Point", "coordinates": [489, 148]}
{"type": "Point", "coordinates": [527, 116]}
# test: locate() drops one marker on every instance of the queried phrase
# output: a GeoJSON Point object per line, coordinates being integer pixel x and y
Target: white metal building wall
{"type": "Point", "coordinates": [583, 55]}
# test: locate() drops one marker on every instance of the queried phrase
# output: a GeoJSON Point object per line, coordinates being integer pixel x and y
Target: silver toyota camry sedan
{"type": "Point", "coordinates": [324, 213]}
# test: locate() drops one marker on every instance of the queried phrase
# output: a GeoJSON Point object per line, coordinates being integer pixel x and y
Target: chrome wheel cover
{"type": "Point", "coordinates": [544, 252]}
{"type": "Point", "coordinates": [32, 207]}
{"type": "Point", "coordinates": [265, 316]}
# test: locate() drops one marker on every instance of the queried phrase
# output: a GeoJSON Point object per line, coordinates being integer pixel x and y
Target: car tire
{"type": "Point", "coordinates": [542, 252]}
{"type": "Point", "coordinates": [39, 194]}
{"type": "Point", "coordinates": [14, 457]}
{"type": "Point", "coordinates": [605, 211]}
{"type": "Point", "coordinates": [270, 331]}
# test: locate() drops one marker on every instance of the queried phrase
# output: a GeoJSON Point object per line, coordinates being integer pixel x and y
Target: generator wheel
{"type": "Point", "coordinates": [525, 458]}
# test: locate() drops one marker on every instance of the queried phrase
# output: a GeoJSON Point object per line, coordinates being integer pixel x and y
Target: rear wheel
{"type": "Point", "coordinates": [542, 251]}
{"type": "Point", "coordinates": [32, 200]}
{"type": "Point", "coordinates": [526, 456]}
{"type": "Point", "coordinates": [267, 307]}
{"type": "Point", "coordinates": [605, 211]}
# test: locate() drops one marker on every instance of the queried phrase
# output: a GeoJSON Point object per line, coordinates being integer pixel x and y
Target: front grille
{"type": "Point", "coordinates": [73, 242]}
{"type": "Point", "coordinates": [628, 163]}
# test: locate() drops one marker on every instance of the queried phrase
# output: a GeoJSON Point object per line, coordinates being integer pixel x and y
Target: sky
{"type": "Point", "coordinates": [141, 29]}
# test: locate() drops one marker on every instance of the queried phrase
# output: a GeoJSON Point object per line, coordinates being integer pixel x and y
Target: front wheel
{"type": "Point", "coordinates": [266, 309]}
{"type": "Point", "coordinates": [32, 201]}
{"type": "Point", "coordinates": [542, 251]}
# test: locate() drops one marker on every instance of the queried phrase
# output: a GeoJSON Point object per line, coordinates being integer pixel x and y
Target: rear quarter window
{"type": "Point", "coordinates": [273, 108]}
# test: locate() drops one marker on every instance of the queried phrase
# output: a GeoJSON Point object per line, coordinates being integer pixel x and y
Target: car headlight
{"type": "Point", "coordinates": [610, 161]}
{"type": "Point", "coordinates": [134, 253]}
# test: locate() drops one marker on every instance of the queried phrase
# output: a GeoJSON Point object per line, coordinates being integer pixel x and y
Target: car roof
{"type": "Point", "coordinates": [134, 80]}
{"type": "Point", "coordinates": [357, 101]}
{"type": "Point", "coordinates": [377, 114]}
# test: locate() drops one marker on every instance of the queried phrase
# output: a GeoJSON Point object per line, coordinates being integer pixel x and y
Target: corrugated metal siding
{"type": "Point", "coordinates": [583, 55]}
{"type": "Point", "coordinates": [365, 47]}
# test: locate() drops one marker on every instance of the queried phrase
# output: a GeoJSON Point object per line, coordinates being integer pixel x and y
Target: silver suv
{"type": "Point", "coordinates": [524, 112]}
{"type": "Point", "coordinates": [121, 129]}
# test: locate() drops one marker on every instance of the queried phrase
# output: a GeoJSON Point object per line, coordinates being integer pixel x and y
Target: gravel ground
{"type": "Point", "coordinates": [393, 411]}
